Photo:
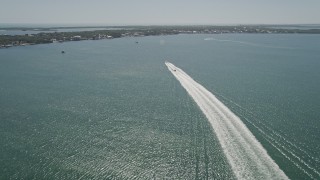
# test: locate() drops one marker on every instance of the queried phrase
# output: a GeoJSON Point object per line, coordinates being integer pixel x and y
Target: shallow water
{"type": "Point", "coordinates": [111, 109]}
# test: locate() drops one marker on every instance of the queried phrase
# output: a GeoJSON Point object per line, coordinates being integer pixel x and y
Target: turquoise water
{"type": "Point", "coordinates": [110, 109]}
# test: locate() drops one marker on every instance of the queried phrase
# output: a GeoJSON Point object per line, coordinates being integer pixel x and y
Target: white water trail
{"type": "Point", "coordinates": [248, 43]}
{"type": "Point", "coordinates": [247, 157]}
{"type": "Point", "coordinates": [288, 148]}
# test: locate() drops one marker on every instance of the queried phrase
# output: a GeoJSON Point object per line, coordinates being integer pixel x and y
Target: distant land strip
{"type": "Point", "coordinates": [7, 41]}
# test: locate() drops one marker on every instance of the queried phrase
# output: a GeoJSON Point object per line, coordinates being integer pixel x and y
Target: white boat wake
{"type": "Point", "coordinates": [247, 157]}
{"type": "Point", "coordinates": [248, 43]}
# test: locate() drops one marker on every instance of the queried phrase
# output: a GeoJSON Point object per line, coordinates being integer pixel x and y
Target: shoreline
{"type": "Point", "coordinates": [7, 41]}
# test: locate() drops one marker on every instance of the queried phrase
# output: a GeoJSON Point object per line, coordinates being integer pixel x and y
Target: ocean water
{"type": "Point", "coordinates": [111, 109]}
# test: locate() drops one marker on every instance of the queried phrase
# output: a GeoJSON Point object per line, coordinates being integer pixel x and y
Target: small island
{"type": "Point", "coordinates": [44, 37]}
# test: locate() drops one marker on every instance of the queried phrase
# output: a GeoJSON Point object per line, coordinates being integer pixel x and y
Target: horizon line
{"type": "Point", "coordinates": [205, 24]}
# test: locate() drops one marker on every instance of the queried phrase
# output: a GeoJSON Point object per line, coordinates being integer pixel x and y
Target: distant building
{"type": "Point", "coordinates": [76, 38]}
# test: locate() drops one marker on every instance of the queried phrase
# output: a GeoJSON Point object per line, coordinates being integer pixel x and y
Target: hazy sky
{"type": "Point", "coordinates": [121, 12]}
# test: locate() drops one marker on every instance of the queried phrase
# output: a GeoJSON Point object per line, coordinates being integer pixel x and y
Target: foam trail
{"type": "Point", "coordinates": [247, 43]}
{"type": "Point", "coordinates": [247, 157]}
